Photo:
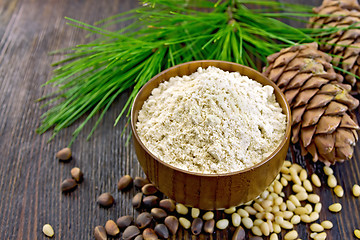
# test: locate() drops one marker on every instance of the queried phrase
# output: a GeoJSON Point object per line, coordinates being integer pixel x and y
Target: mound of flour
{"type": "Point", "coordinates": [211, 121]}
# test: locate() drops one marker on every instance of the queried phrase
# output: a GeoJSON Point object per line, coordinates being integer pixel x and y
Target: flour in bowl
{"type": "Point", "coordinates": [211, 121]}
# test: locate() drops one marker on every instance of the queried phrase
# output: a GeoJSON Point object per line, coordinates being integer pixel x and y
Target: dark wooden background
{"type": "Point", "coordinates": [30, 176]}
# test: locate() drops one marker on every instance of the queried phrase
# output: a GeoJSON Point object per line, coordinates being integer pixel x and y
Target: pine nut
{"type": "Point", "coordinates": [290, 205]}
{"type": "Point", "coordinates": [312, 235]}
{"type": "Point", "coordinates": [295, 201]}
{"type": "Point", "coordinates": [264, 227]}
{"type": "Point", "coordinates": [315, 227]}
{"type": "Point", "coordinates": [242, 213]}
{"type": "Point", "coordinates": [282, 206]}
{"type": "Point", "coordinates": [307, 185]}
{"type": "Point", "coordinates": [250, 210]}
{"type": "Point", "coordinates": [277, 228]}
{"type": "Point", "coordinates": [277, 187]}
{"type": "Point", "coordinates": [297, 167]}
{"type": "Point", "coordinates": [328, 170]}
{"type": "Point", "coordinates": [357, 233]}
{"type": "Point", "coordinates": [313, 198]}
{"type": "Point", "coordinates": [356, 190]}
{"type": "Point", "coordinates": [258, 207]}
{"type": "Point", "coordinates": [260, 215]}
{"type": "Point", "coordinates": [303, 175]}
{"type": "Point", "coordinates": [274, 236]}
{"type": "Point", "coordinates": [287, 177]}
{"type": "Point", "coordinates": [275, 209]}
{"type": "Point", "coordinates": [247, 222]}
{"type": "Point", "coordinates": [336, 207]}
{"type": "Point", "coordinates": [305, 218]}
{"type": "Point", "coordinates": [278, 201]}
{"type": "Point", "coordinates": [279, 219]}
{"type": "Point", "coordinates": [48, 230]}
{"type": "Point", "coordinates": [298, 188]}
{"type": "Point", "coordinates": [300, 211]}
{"type": "Point", "coordinates": [288, 214]}
{"type": "Point", "coordinates": [295, 219]}
{"type": "Point", "coordinates": [181, 209]}
{"type": "Point", "coordinates": [327, 224]}
{"type": "Point", "coordinates": [309, 208]}
{"type": "Point", "coordinates": [222, 224]}
{"type": "Point", "coordinates": [339, 191]}
{"type": "Point", "coordinates": [301, 196]}
{"type": "Point", "coordinates": [236, 219]}
{"type": "Point", "coordinates": [195, 212]}
{"type": "Point", "coordinates": [331, 181]}
{"type": "Point", "coordinates": [208, 215]}
{"type": "Point", "coordinates": [284, 182]}
{"type": "Point", "coordinates": [258, 222]}
{"type": "Point", "coordinates": [320, 236]}
{"type": "Point", "coordinates": [265, 194]}
{"type": "Point", "coordinates": [284, 170]}
{"type": "Point", "coordinates": [314, 216]}
{"type": "Point", "coordinates": [269, 216]}
{"type": "Point", "coordinates": [287, 163]}
{"type": "Point", "coordinates": [266, 204]}
{"type": "Point", "coordinates": [315, 180]}
{"type": "Point", "coordinates": [230, 210]}
{"type": "Point", "coordinates": [287, 225]}
{"type": "Point", "coordinates": [184, 223]}
{"type": "Point", "coordinates": [292, 235]}
{"type": "Point", "coordinates": [318, 207]}
{"type": "Point", "coordinates": [271, 228]}
{"type": "Point", "coordinates": [256, 231]}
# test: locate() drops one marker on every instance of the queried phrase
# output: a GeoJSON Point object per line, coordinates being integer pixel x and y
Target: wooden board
{"type": "Point", "coordinates": [30, 176]}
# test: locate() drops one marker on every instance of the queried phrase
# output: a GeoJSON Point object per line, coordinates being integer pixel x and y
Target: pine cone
{"type": "Point", "coordinates": [320, 103]}
{"type": "Point", "coordinates": [342, 13]}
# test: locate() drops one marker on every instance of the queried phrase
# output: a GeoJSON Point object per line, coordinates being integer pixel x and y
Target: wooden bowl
{"type": "Point", "coordinates": [209, 191]}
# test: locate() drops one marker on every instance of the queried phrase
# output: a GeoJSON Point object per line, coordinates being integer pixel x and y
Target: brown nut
{"type": "Point", "coordinates": [68, 185]}
{"type": "Point", "coordinates": [125, 182]}
{"type": "Point", "coordinates": [64, 154]}
{"type": "Point", "coordinates": [149, 189]}
{"type": "Point", "coordinates": [149, 234]}
{"type": "Point", "coordinates": [196, 226]}
{"type": "Point", "coordinates": [77, 174]}
{"type": "Point", "coordinates": [111, 228]}
{"type": "Point", "coordinates": [172, 223]}
{"type": "Point", "coordinates": [100, 233]}
{"type": "Point", "coordinates": [105, 200]}
{"type": "Point", "coordinates": [143, 220]}
{"type": "Point", "coordinates": [158, 213]}
{"type": "Point", "coordinates": [139, 182]}
{"type": "Point", "coordinates": [239, 234]}
{"type": "Point", "coordinates": [130, 232]}
{"type": "Point", "coordinates": [209, 226]}
{"type": "Point", "coordinates": [168, 205]}
{"type": "Point", "coordinates": [162, 231]}
{"type": "Point", "coordinates": [137, 199]}
{"type": "Point", "coordinates": [139, 237]}
{"type": "Point", "coordinates": [150, 201]}
{"type": "Point", "coordinates": [124, 221]}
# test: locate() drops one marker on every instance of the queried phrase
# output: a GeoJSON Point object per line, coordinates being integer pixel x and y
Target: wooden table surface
{"type": "Point", "coordinates": [30, 176]}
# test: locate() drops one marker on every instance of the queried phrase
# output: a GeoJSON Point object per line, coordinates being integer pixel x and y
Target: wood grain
{"type": "Point", "coordinates": [30, 176]}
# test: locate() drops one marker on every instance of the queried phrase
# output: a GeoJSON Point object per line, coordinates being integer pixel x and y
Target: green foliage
{"type": "Point", "coordinates": [163, 33]}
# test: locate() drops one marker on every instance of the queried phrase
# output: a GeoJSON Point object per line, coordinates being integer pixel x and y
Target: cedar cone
{"type": "Point", "coordinates": [322, 121]}
{"type": "Point", "coordinates": [344, 45]}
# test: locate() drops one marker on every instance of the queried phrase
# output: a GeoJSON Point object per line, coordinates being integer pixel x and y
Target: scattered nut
{"type": "Point", "coordinates": [100, 233]}
{"type": "Point", "coordinates": [195, 212]}
{"type": "Point", "coordinates": [336, 207]}
{"type": "Point", "coordinates": [111, 228]}
{"type": "Point", "coordinates": [326, 224]}
{"type": "Point", "coordinates": [184, 223]}
{"type": "Point", "coordinates": [48, 230]}
{"type": "Point", "coordinates": [339, 191]}
{"type": "Point", "coordinates": [77, 174]}
{"type": "Point", "coordinates": [137, 200]}
{"type": "Point", "coordinates": [125, 182]}
{"type": "Point", "coordinates": [239, 234]}
{"type": "Point", "coordinates": [357, 233]}
{"type": "Point", "coordinates": [150, 201]}
{"type": "Point", "coordinates": [158, 213]}
{"type": "Point", "coordinates": [68, 185]}
{"type": "Point", "coordinates": [209, 226]}
{"type": "Point", "coordinates": [105, 200]}
{"type": "Point", "coordinates": [356, 190]}
{"type": "Point", "coordinates": [64, 154]}
{"type": "Point", "coordinates": [139, 182]}
{"type": "Point", "coordinates": [181, 209]}
{"type": "Point", "coordinates": [196, 226]}
{"type": "Point", "coordinates": [167, 204]}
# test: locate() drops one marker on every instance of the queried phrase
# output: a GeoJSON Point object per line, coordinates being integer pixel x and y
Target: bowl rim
{"type": "Point", "coordinates": [215, 175]}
